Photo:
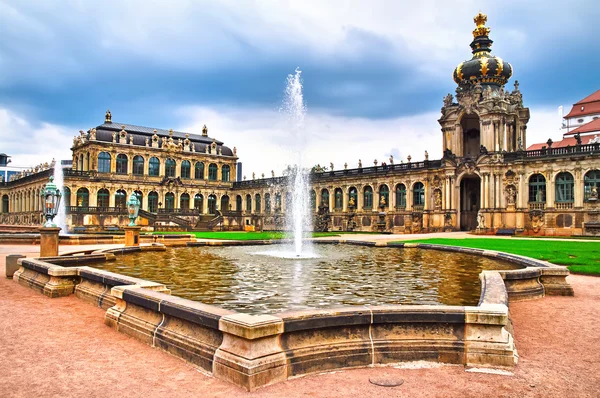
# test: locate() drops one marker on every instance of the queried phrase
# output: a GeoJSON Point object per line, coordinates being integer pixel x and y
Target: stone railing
{"type": "Point", "coordinates": [563, 205]}
{"type": "Point", "coordinates": [537, 205]}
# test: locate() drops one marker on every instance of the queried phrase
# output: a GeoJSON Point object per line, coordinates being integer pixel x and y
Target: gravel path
{"type": "Point", "coordinates": [61, 347]}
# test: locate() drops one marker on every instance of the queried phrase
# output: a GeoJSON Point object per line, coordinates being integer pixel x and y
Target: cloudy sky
{"type": "Point", "coordinates": [374, 72]}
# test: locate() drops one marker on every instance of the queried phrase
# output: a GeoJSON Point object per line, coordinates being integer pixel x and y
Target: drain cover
{"type": "Point", "coordinates": [386, 381]}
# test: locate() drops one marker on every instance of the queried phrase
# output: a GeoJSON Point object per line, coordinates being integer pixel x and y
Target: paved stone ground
{"type": "Point", "coordinates": [61, 347]}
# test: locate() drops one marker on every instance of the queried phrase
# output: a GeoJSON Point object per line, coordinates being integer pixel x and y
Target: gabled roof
{"type": "Point", "coordinates": [591, 127]}
{"type": "Point", "coordinates": [588, 106]}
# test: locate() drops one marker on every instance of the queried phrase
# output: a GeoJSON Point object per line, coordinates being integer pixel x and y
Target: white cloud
{"type": "Point", "coordinates": [32, 143]}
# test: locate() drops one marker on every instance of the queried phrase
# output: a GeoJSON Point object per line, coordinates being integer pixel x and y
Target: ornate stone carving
{"type": "Point", "coordinates": [536, 218]}
{"type": "Point", "coordinates": [437, 199]}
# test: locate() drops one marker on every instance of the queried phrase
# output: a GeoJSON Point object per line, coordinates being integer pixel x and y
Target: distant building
{"type": "Point", "coordinates": [583, 112]}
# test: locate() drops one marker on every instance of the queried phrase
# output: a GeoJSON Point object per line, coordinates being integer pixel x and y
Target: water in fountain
{"type": "Point", "coordinates": [298, 214]}
{"type": "Point", "coordinates": [61, 217]}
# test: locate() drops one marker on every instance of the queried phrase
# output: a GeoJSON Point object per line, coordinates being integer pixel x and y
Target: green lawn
{"type": "Point", "coordinates": [238, 235]}
{"type": "Point", "coordinates": [580, 257]}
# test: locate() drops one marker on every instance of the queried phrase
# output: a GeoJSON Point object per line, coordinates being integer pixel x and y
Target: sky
{"type": "Point", "coordinates": [374, 72]}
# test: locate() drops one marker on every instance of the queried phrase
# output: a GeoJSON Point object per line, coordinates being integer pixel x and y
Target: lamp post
{"type": "Point", "coordinates": [132, 231]}
{"type": "Point", "coordinates": [50, 196]}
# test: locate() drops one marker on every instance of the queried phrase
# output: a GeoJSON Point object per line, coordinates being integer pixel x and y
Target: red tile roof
{"type": "Point", "coordinates": [591, 127]}
{"type": "Point", "coordinates": [559, 144]}
{"type": "Point", "coordinates": [587, 106]}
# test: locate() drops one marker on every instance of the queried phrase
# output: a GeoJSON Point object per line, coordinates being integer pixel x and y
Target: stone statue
{"type": "Point", "coordinates": [108, 117]}
{"type": "Point", "coordinates": [114, 136]}
{"type": "Point", "coordinates": [382, 202]}
{"type": "Point", "coordinates": [330, 166]}
{"type": "Point", "coordinates": [448, 99]}
{"type": "Point", "coordinates": [480, 220]}
{"type": "Point", "coordinates": [375, 162]}
{"type": "Point", "coordinates": [426, 155]}
{"type": "Point", "coordinates": [345, 165]}
{"type": "Point", "coordinates": [253, 176]}
{"type": "Point", "coordinates": [147, 141]}
{"type": "Point", "coordinates": [234, 151]}
{"type": "Point", "coordinates": [273, 173]}
{"type": "Point", "coordinates": [359, 164]}
{"type": "Point", "coordinates": [130, 140]}
{"type": "Point", "coordinates": [263, 175]}
{"type": "Point", "coordinates": [92, 134]}
{"type": "Point", "coordinates": [391, 159]}
{"type": "Point", "coordinates": [511, 195]}
{"type": "Point", "coordinates": [578, 138]}
{"type": "Point", "coordinates": [520, 143]}
{"type": "Point", "coordinates": [437, 198]}
{"type": "Point", "coordinates": [595, 140]}
{"type": "Point", "coordinates": [593, 194]}
{"type": "Point", "coordinates": [408, 158]}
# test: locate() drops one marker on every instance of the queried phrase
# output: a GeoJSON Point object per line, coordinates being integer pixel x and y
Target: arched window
{"type": "Point", "coordinates": [104, 162]}
{"type": "Point", "coordinates": [121, 199]}
{"type": "Point", "coordinates": [224, 203]}
{"type": "Point", "coordinates": [152, 201]}
{"type": "Point", "coordinates": [591, 180]}
{"type": "Point", "coordinates": [102, 198]}
{"type": "Point", "coordinates": [138, 165]}
{"type": "Point", "coordinates": [267, 203]}
{"type": "Point", "coordinates": [170, 167]}
{"type": "Point", "coordinates": [169, 201]}
{"type": "Point", "coordinates": [186, 168]}
{"type": "Point", "coordinates": [184, 201]}
{"type": "Point", "coordinates": [278, 201]}
{"type": "Point", "coordinates": [313, 200]}
{"type": "Point", "coordinates": [418, 194]}
{"type": "Point", "coordinates": [212, 204]}
{"type": "Point", "coordinates": [225, 171]}
{"type": "Point", "coordinates": [324, 198]}
{"type": "Point", "coordinates": [199, 203]}
{"type": "Point", "coordinates": [257, 202]}
{"type": "Point", "coordinates": [212, 172]}
{"type": "Point", "coordinates": [5, 204]}
{"type": "Point", "coordinates": [565, 186]}
{"type": "Point", "coordinates": [339, 198]}
{"type": "Point", "coordinates": [368, 198]}
{"type": "Point", "coordinates": [400, 196]}
{"type": "Point", "coordinates": [121, 164]}
{"type": "Point", "coordinates": [384, 195]}
{"type": "Point", "coordinates": [140, 197]}
{"type": "Point", "coordinates": [83, 197]}
{"type": "Point", "coordinates": [66, 199]}
{"type": "Point", "coordinates": [537, 188]}
{"type": "Point", "coordinates": [153, 167]}
{"type": "Point", "coordinates": [199, 171]}
{"type": "Point", "coordinates": [248, 203]}
{"type": "Point", "coordinates": [238, 203]}
{"type": "Point", "coordinates": [353, 197]}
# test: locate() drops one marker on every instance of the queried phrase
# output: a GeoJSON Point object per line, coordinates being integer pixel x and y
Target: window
{"type": "Point", "coordinates": [352, 197]}
{"type": "Point", "coordinates": [400, 196]}
{"type": "Point", "coordinates": [184, 201]}
{"type": "Point", "coordinates": [238, 203]}
{"type": "Point", "coordinates": [224, 203]}
{"type": "Point", "coordinates": [257, 202]}
{"type": "Point", "coordinates": [225, 173]}
{"type": "Point", "coordinates": [104, 162]}
{"type": "Point", "coordinates": [277, 201]}
{"type": "Point", "coordinates": [313, 200]}
{"type": "Point", "coordinates": [537, 188]}
{"type": "Point", "coordinates": [419, 194]}
{"type": "Point", "coordinates": [138, 165]}
{"type": "Point", "coordinates": [102, 198]}
{"type": "Point", "coordinates": [5, 204]}
{"type": "Point", "coordinates": [267, 203]}
{"type": "Point", "coordinates": [153, 201]}
{"type": "Point", "coordinates": [325, 198]}
{"type": "Point", "coordinates": [384, 195]}
{"type": "Point", "coordinates": [579, 120]}
{"type": "Point", "coordinates": [338, 198]}
{"type": "Point", "coordinates": [212, 204]}
{"type": "Point", "coordinates": [121, 164]}
{"type": "Point", "coordinates": [169, 201]}
{"type": "Point", "coordinates": [565, 186]}
{"type": "Point", "coordinates": [154, 167]}
{"type": "Point", "coordinates": [66, 196]}
{"type": "Point", "coordinates": [121, 199]}
{"type": "Point", "coordinates": [83, 197]}
{"type": "Point", "coordinates": [248, 203]}
{"type": "Point", "coordinates": [591, 180]}
{"type": "Point", "coordinates": [170, 167]}
{"type": "Point", "coordinates": [186, 167]}
{"type": "Point", "coordinates": [199, 171]}
{"type": "Point", "coordinates": [199, 203]}
{"type": "Point", "coordinates": [368, 198]}
{"type": "Point", "coordinates": [212, 172]}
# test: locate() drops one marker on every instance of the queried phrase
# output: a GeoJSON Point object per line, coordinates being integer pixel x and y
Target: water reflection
{"type": "Point", "coordinates": [240, 279]}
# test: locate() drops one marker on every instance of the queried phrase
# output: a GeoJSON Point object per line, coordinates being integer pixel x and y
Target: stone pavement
{"type": "Point", "coordinates": [61, 347]}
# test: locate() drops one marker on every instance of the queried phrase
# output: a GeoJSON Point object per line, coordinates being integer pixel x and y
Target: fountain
{"type": "Point", "coordinates": [298, 212]}
{"type": "Point", "coordinates": [61, 217]}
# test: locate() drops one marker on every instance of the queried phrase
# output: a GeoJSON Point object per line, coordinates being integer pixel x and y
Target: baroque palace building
{"type": "Point", "coordinates": [486, 180]}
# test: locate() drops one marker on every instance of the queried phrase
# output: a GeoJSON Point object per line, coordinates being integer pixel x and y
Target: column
{"type": "Point", "coordinates": [359, 194]}
{"type": "Point", "coordinates": [523, 195]}
{"type": "Point", "coordinates": [111, 198]}
{"type": "Point", "coordinates": [578, 191]}
{"type": "Point", "coordinates": [549, 190]}
{"type": "Point", "coordinates": [93, 197]}
{"type": "Point", "coordinates": [205, 203]}
{"type": "Point", "coordinates": [344, 199]}
{"type": "Point", "coordinates": [331, 198]}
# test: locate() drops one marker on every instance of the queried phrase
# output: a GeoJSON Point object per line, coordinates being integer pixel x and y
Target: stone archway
{"type": "Point", "coordinates": [469, 201]}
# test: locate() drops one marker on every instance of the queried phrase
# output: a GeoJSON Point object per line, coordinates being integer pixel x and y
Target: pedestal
{"type": "Point", "coordinates": [49, 241]}
{"type": "Point", "coordinates": [132, 236]}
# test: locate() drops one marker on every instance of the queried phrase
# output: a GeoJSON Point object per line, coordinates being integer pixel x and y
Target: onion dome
{"type": "Point", "coordinates": [483, 68]}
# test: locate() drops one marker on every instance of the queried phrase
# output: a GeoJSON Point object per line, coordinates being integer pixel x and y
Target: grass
{"type": "Point", "coordinates": [237, 235]}
{"type": "Point", "coordinates": [579, 257]}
